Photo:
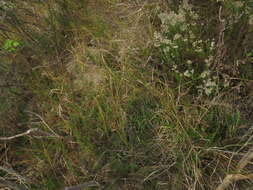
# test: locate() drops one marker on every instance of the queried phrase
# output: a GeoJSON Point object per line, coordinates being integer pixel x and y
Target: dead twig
{"type": "Point", "coordinates": [236, 177]}
{"type": "Point", "coordinates": [19, 135]}
{"type": "Point", "coordinates": [245, 160]}
{"type": "Point", "coordinates": [233, 178]}
{"type": "Point", "coordinates": [44, 122]}
{"type": "Point", "coordinates": [40, 134]}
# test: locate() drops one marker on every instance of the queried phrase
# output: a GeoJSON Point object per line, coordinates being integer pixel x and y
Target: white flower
{"type": "Point", "coordinates": [189, 62]}
{"type": "Point", "coordinates": [209, 60]}
{"type": "Point", "coordinates": [166, 49]}
{"type": "Point", "coordinates": [172, 18]}
{"type": "Point", "coordinates": [188, 73]}
{"type": "Point", "coordinates": [226, 83]}
{"type": "Point", "coordinates": [210, 83]}
{"type": "Point", "coordinates": [166, 41]}
{"type": "Point", "coordinates": [158, 37]}
{"type": "Point", "coordinates": [186, 5]}
{"type": "Point", "coordinates": [209, 86]}
{"type": "Point", "coordinates": [163, 17]}
{"type": "Point", "coordinates": [198, 49]}
{"type": "Point", "coordinates": [251, 20]}
{"type": "Point", "coordinates": [195, 44]}
{"type": "Point", "coordinates": [177, 36]}
{"type": "Point", "coordinates": [205, 74]}
{"type": "Point", "coordinates": [208, 91]}
{"type": "Point", "coordinates": [183, 27]}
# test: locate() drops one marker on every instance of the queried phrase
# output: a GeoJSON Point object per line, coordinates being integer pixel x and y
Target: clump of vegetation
{"type": "Point", "coordinates": [195, 48]}
{"type": "Point", "coordinates": [126, 94]}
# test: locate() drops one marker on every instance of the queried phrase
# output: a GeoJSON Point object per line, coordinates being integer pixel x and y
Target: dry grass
{"type": "Point", "coordinates": [96, 105]}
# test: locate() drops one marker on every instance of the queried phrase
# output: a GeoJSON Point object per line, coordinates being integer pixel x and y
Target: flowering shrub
{"type": "Point", "coordinates": [193, 58]}
{"type": "Point", "coordinates": [188, 56]}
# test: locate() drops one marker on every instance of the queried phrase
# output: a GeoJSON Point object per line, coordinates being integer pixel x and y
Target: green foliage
{"type": "Point", "coordinates": [166, 113]}
{"type": "Point", "coordinates": [188, 55]}
{"type": "Point", "coordinates": [222, 124]}
{"type": "Point", "coordinates": [192, 52]}
{"type": "Point", "coordinates": [51, 184]}
{"type": "Point", "coordinates": [11, 45]}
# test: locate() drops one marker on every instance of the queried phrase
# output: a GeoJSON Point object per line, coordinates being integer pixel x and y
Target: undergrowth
{"type": "Point", "coordinates": [126, 94]}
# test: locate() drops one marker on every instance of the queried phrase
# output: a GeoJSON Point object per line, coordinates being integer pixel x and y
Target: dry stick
{"type": "Point", "coordinates": [81, 186]}
{"type": "Point", "coordinates": [245, 160]}
{"type": "Point", "coordinates": [44, 122]}
{"type": "Point", "coordinates": [44, 134]}
{"type": "Point", "coordinates": [232, 178]}
{"type": "Point", "coordinates": [36, 129]}
{"type": "Point", "coordinates": [247, 142]}
{"type": "Point", "coordinates": [19, 135]}
{"type": "Point", "coordinates": [235, 177]}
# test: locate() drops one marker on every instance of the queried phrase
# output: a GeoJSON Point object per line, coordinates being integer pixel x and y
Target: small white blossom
{"type": "Point", "coordinates": [195, 44]}
{"type": "Point", "coordinates": [198, 49]}
{"type": "Point", "coordinates": [166, 50]}
{"type": "Point", "coordinates": [183, 27]}
{"type": "Point", "coordinates": [174, 67]}
{"type": "Point", "coordinates": [186, 5]}
{"type": "Point", "coordinates": [210, 83]}
{"type": "Point", "coordinates": [208, 91]}
{"type": "Point", "coordinates": [188, 73]}
{"type": "Point", "coordinates": [212, 44]}
{"type": "Point", "coordinates": [166, 41]}
{"type": "Point", "coordinates": [172, 18]}
{"type": "Point", "coordinates": [226, 83]}
{"type": "Point", "coordinates": [189, 62]}
{"type": "Point", "coordinates": [205, 74]}
{"type": "Point", "coordinates": [209, 60]}
{"type": "Point", "coordinates": [177, 36]}
{"type": "Point", "coordinates": [251, 20]}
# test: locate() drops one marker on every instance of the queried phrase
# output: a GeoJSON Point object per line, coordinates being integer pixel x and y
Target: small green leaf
{"type": "Point", "coordinates": [15, 44]}
{"type": "Point", "coordinates": [10, 45]}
